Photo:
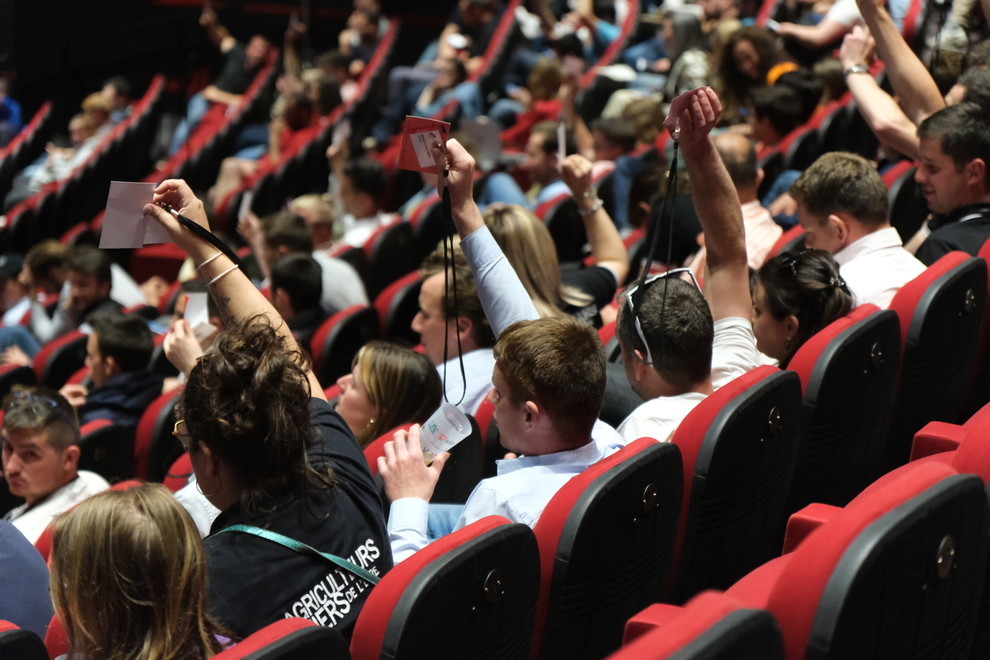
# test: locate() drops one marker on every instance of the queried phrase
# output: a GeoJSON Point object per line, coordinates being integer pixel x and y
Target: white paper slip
{"type": "Point", "coordinates": [444, 429]}
{"type": "Point", "coordinates": [561, 144]}
{"type": "Point", "coordinates": [124, 224]}
{"type": "Point", "coordinates": [423, 145]}
{"type": "Point", "coordinates": [198, 316]}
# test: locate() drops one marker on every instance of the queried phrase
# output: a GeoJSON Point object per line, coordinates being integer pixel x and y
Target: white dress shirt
{"type": "Point", "coordinates": [876, 266]}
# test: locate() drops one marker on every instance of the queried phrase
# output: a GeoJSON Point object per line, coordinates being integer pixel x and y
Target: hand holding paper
{"type": "Point", "coordinates": [419, 136]}
{"type": "Point", "coordinates": [125, 224]}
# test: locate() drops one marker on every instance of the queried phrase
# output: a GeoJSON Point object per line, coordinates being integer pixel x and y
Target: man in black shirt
{"type": "Point", "coordinates": [953, 173]}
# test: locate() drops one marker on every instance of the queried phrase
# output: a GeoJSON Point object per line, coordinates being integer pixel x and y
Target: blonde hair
{"type": "Point", "coordinates": [528, 246]}
{"type": "Point", "coordinates": [313, 202]}
{"type": "Point", "coordinates": [403, 386]}
{"type": "Point", "coordinates": [128, 578]}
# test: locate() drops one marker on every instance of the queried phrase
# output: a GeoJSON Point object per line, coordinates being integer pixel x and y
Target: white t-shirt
{"type": "Point", "coordinates": [733, 354]}
{"type": "Point", "coordinates": [32, 521]}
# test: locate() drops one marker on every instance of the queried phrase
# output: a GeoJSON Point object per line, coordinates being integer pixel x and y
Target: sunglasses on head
{"type": "Point", "coordinates": [640, 288]}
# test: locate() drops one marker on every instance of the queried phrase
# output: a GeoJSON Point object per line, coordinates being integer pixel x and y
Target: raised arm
{"type": "Point", "coordinates": [607, 247]}
{"type": "Point", "coordinates": [502, 294]}
{"type": "Point", "coordinates": [912, 83]}
{"type": "Point", "coordinates": [882, 114]}
{"type": "Point", "coordinates": [218, 34]}
{"type": "Point", "coordinates": [235, 296]}
{"type": "Point", "coordinates": [692, 116]}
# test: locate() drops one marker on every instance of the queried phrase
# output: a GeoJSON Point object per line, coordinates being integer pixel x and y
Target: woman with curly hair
{"type": "Point", "coordinates": [270, 454]}
{"type": "Point", "coordinates": [751, 57]}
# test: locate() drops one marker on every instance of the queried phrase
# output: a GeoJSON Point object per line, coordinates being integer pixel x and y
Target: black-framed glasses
{"type": "Point", "coordinates": [633, 290]}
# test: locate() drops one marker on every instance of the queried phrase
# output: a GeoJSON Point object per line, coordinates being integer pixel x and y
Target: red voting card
{"type": "Point", "coordinates": [419, 136]}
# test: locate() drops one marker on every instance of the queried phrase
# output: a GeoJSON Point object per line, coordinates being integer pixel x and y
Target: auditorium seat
{"type": "Point", "coordinates": [155, 448]}
{"type": "Point", "coordinates": [848, 373]}
{"type": "Point", "coordinates": [606, 545]}
{"type": "Point", "coordinates": [710, 626]}
{"type": "Point", "coordinates": [469, 594]}
{"type": "Point", "coordinates": [899, 572]}
{"type": "Point", "coordinates": [338, 340]}
{"type": "Point", "coordinates": [739, 448]}
{"type": "Point", "coordinates": [940, 313]}
{"type": "Point", "coordinates": [107, 449]}
{"type": "Point", "coordinates": [18, 644]}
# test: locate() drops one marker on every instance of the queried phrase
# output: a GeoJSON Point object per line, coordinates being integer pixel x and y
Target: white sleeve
{"type": "Point", "coordinates": [407, 520]}
{"type": "Point", "coordinates": [502, 294]}
{"type": "Point", "coordinates": [733, 351]}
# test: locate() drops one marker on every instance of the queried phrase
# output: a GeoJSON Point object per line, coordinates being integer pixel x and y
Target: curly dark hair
{"type": "Point", "coordinates": [248, 401]}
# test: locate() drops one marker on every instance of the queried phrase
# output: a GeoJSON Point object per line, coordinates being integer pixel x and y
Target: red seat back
{"type": "Point", "coordinates": [484, 578]}
{"type": "Point", "coordinates": [618, 514]}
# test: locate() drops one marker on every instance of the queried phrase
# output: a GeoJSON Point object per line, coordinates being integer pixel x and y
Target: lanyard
{"type": "Point", "coordinates": [303, 549]}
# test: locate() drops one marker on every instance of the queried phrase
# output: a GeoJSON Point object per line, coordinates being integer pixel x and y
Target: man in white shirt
{"type": "Point", "coordinates": [549, 384]}
{"type": "Point", "coordinates": [40, 459]}
{"type": "Point", "coordinates": [678, 345]}
{"type": "Point", "coordinates": [842, 207]}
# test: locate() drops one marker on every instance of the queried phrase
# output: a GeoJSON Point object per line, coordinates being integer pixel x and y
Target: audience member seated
{"type": "Point", "coordinates": [540, 165]}
{"type": "Point", "coordinates": [15, 301]}
{"type": "Point", "coordinates": [455, 334]}
{"type": "Point", "coordinates": [59, 162]}
{"type": "Point", "coordinates": [240, 65]}
{"type": "Point", "coordinates": [284, 233]}
{"type": "Point", "coordinates": [842, 207]}
{"type": "Point", "coordinates": [11, 121]}
{"type": "Point", "coordinates": [388, 386]}
{"type": "Point", "coordinates": [545, 414]}
{"type": "Point", "coordinates": [293, 113]}
{"type": "Point", "coordinates": [269, 452]}
{"type": "Point", "coordinates": [776, 111]}
{"type": "Point", "coordinates": [677, 345]}
{"type": "Point", "coordinates": [358, 188]}
{"type": "Point", "coordinates": [955, 178]}
{"type": "Point", "coordinates": [129, 579]}
{"type": "Point", "coordinates": [738, 154]}
{"type": "Point", "coordinates": [40, 458]}
{"type": "Point", "coordinates": [751, 58]}
{"type": "Point", "coordinates": [117, 92]}
{"type": "Point", "coordinates": [359, 40]}
{"type": "Point", "coordinates": [527, 106]}
{"type": "Point", "coordinates": [579, 292]}
{"type": "Point", "coordinates": [89, 278]}
{"type": "Point", "coordinates": [120, 386]}
{"type": "Point", "coordinates": [795, 296]}
{"type": "Point", "coordinates": [296, 288]}
{"type": "Point", "coordinates": [318, 213]}
{"type": "Point", "coordinates": [23, 572]}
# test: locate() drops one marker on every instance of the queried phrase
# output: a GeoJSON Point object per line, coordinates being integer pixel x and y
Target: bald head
{"type": "Point", "coordinates": [738, 154]}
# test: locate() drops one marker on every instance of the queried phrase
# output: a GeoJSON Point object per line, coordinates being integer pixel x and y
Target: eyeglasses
{"type": "Point", "coordinates": [42, 406]}
{"type": "Point", "coordinates": [630, 292]}
{"type": "Point", "coordinates": [183, 438]}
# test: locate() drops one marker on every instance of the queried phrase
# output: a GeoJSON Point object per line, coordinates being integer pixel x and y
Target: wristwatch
{"type": "Point", "coordinates": [857, 68]}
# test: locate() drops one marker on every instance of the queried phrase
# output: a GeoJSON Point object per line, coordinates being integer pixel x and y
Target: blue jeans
{"type": "Point", "coordinates": [198, 106]}
{"type": "Point", "coordinates": [18, 335]}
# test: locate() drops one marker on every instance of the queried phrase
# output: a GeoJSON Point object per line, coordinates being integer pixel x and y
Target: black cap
{"type": "Point", "coordinates": [10, 265]}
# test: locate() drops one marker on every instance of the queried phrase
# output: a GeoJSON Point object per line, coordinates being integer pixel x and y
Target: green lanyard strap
{"type": "Point", "coordinates": [303, 549]}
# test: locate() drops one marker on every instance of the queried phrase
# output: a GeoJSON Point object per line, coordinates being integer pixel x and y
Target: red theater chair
{"type": "Point", "coordinates": [18, 644]}
{"type": "Point", "coordinates": [940, 312]}
{"type": "Point", "coordinates": [606, 545]}
{"type": "Point", "coordinates": [739, 447]}
{"type": "Point", "coordinates": [469, 594]}
{"type": "Point", "coordinates": [898, 573]}
{"type": "Point", "coordinates": [711, 625]}
{"type": "Point", "coordinates": [338, 339]}
{"type": "Point", "coordinates": [848, 373]}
